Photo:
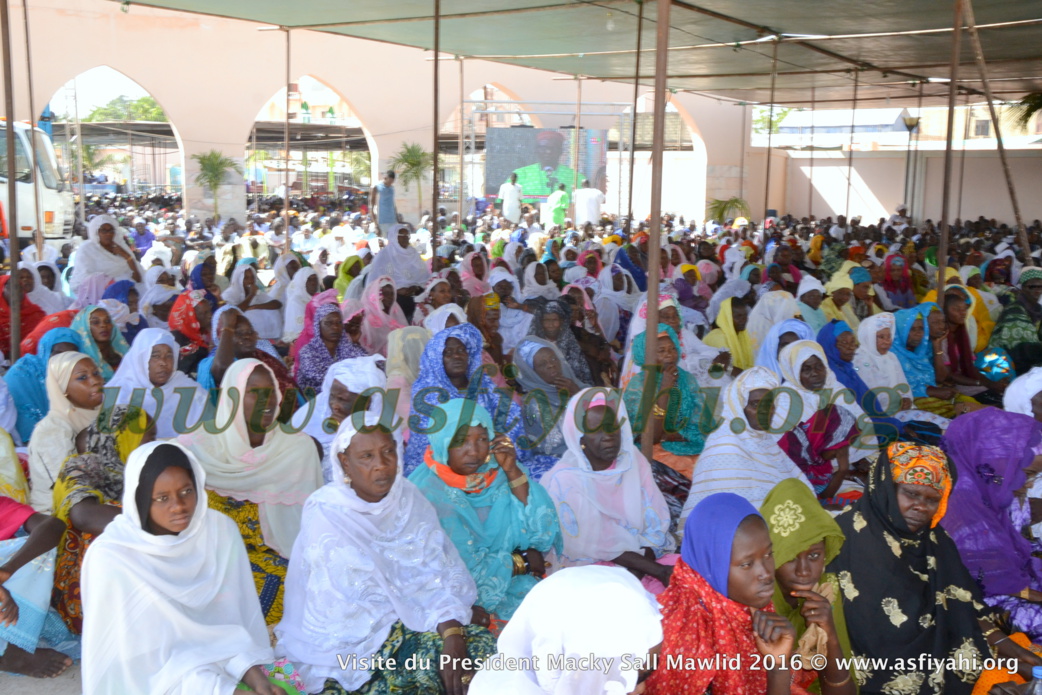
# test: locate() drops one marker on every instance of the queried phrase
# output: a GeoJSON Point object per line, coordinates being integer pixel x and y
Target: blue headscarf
{"type": "Point", "coordinates": [768, 354]}
{"type": "Point", "coordinates": [433, 388]}
{"type": "Point", "coordinates": [918, 363]}
{"type": "Point", "coordinates": [859, 275]}
{"type": "Point", "coordinates": [81, 325]}
{"type": "Point", "coordinates": [709, 534]}
{"type": "Point", "coordinates": [748, 270]}
{"type": "Point", "coordinates": [623, 260]}
{"type": "Point", "coordinates": [27, 378]}
{"type": "Point", "coordinates": [455, 411]}
{"type": "Point", "coordinates": [847, 375]}
{"type": "Point", "coordinates": [120, 291]}
{"type": "Point", "coordinates": [483, 518]}
{"type": "Point", "coordinates": [195, 282]}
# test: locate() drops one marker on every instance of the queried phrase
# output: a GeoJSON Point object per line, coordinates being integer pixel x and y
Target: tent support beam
{"type": "Point", "coordinates": [633, 113]}
{"type": "Point", "coordinates": [651, 333]}
{"type": "Point", "coordinates": [11, 212]}
{"type": "Point", "coordinates": [982, 67]}
{"type": "Point", "coordinates": [946, 192]}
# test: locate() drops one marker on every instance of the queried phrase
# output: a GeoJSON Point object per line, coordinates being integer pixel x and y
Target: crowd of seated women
{"type": "Point", "coordinates": [376, 469]}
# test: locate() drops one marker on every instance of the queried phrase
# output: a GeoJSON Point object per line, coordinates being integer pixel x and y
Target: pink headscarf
{"type": "Point", "coordinates": [327, 297]}
{"type": "Point", "coordinates": [378, 324]}
{"type": "Point", "coordinates": [710, 272]}
{"type": "Point", "coordinates": [586, 254]}
{"type": "Point", "coordinates": [587, 303]}
{"type": "Point", "coordinates": [476, 286]}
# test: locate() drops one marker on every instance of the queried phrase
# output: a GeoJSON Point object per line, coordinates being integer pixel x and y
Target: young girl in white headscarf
{"type": "Point", "coordinates": [172, 563]}
{"type": "Point", "coordinates": [263, 312]}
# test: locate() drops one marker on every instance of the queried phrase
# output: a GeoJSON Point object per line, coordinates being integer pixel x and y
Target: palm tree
{"type": "Point", "coordinates": [720, 210]}
{"type": "Point", "coordinates": [1023, 110]}
{"type": "Point", "coordinates": [213, 167]}
{"type": "Point", "coordinates": [411, 163]}
{"type": "Point", "coordinates": [93, 160]}
{"type": "Point", "coordinates": [360, 163]}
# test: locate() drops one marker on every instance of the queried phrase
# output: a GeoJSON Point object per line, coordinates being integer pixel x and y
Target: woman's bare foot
{"type": "Point", "coordinates": [44, 663]}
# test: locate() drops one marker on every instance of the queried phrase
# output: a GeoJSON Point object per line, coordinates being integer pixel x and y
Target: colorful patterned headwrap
{"type": "Point", "coordinates": [914, 464]}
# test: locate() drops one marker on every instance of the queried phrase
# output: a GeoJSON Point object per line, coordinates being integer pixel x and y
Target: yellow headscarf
{"type": "Point", "coordinates": [726, 337]}
{"type": "Point", "coordinates": [684, 267]}
{"type": "Point", "coordinates": [978, 309]}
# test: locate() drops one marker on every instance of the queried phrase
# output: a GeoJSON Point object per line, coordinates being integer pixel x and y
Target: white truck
{"type": "Point", "coordinates": [57, 211]}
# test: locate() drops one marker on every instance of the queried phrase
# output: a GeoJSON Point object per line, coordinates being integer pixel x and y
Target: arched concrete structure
{"type": "Point", "coordinates": [210, 75]}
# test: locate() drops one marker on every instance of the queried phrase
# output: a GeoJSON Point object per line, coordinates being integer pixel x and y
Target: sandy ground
{"type": "Point", "coordinates": [66, 684]}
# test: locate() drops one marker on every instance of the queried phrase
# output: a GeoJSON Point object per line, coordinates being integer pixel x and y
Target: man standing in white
{"type": "Point", "coordinates": [510, 194]}
{"type": "Point", "coordinates": [588, 202]}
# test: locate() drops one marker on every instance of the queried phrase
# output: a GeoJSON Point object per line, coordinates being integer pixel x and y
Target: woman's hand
{"type": "Point", "coordinates": [258, 682]}
{"type": "Point", "coordinates": [505, 453]}
{"type": "Point", "coordinates": [669, 377]}
{"type": "Point", "coordinates": [567, 384]}
{"type": "Point", "coordinates": [817, 610]}
{"type": "Point", "coordinates": [723, 359]}
{"type": "Point", "coordinates": [480, 617]}
{"type": "Point", "coordinates": [906, 404]}
{"type": "Point", "coordinates": [942, 392]}
{"type": "Point", "coordinates": [536, 562]}
{"type": "Point", "coordinates": [774, 635]}
{"type": "Point", "coordinates": [451, 673]}
{"type": "Point", "coordinates": [8, 609]}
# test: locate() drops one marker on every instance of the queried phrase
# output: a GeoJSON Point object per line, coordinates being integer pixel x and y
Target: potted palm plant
{"type": "Point", "coordinates": [213, 168]}
{"type": "Point", "coordinates": [411, 163]}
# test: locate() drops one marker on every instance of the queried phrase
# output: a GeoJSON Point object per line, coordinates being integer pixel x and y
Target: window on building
{"type": "Point", "coordinates": [982, 128]}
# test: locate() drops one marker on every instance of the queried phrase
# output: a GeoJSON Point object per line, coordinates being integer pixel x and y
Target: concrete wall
{"type": "Point", "coordinates": [878, 184]}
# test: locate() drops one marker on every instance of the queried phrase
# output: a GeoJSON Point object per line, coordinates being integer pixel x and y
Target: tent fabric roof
{"type": "Point", "coordinates": [717, 47]}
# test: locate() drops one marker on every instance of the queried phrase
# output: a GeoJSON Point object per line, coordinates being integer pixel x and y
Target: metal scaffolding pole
{"type": "Point", "coordinates": [946, 192]}
{"type": "Point", "coordinates": [810, 179]}
{"type": "Point", "coordinates": [285, 158]}
{"type": "Point", "coordinates": [982, 67]}
{"type": "Point", "coordinates": [434, 126]}
{"type": "Point", "coordinates": [38, 236]}
{"type": "Point", "coordinates": [15, 288]}
{"type": "Point", "coordinates": [659, 120]}
{"type": "Point", "coordinates": [770, 128]}
{"type": "Point", "coordinates": [577, 138]}
{"type": "Point", "coordinates": [850, 147]}
{"type": "Point", "coordinates": [633, 113]}
{"type": "Point", "coordinates": [462, 147]}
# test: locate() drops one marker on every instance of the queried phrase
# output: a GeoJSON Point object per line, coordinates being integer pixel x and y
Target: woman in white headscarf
{"type": "Point", "coordinates": [263, 312]}
{"type": "Point", "coordinates": [604, 490]}
{"type": "Point", "coordinates": [404, 349]}
{"type": "Point", "coordinates": [740, 455]}
{"type": "Point", "coordinates": [565, 616]}
{"type": "Point", "coordinates": [51, 302]}
{"type": "Point", "coordinates": [170, 562]}
{"type": "Point", "coordinates": [1020, 396]}
{"type": "Point", "coordinates": [443, 317]}
{"type": "Point", "coordinates": [374, 575]}
{"type": "Point", "coordinates": [150, 365]}
{"type": "Point", "coordinates": [344, 383]}
{"type": "Point", "coordinates": [156, 304]}
{"type": "Point", "coordinates": [435, 295]}
{"type": "Point", "coordinates": [400, 261]}
{"type": "Point", "coordinates": [772, 308]}
{"type": "Point", "coordinates": [514, 321]}
{"type": "Point", "coordinates": [105, 253]}
{"type": "Point", "coordinates": [74, 389]}
{"type": "Point", "coordinates": [257, 474]}
{"type": "Point", "coordinates": [286, 268]}
{"type": "Point", "coordinates": [302, 288]}
{"type": "Point", "coordinates": [538, 284]}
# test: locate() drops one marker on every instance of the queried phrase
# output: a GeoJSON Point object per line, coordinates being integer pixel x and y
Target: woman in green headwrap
{"type": "Point", "coordinates": [348, 271]}
{"type": "Point", "coordinates": [805, 539]}
{"type": "Point", "coordinates": [672, 413]}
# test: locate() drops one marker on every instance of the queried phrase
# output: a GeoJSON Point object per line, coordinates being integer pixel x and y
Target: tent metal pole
{"type": "Point", "coordinates": [285, 137]}
{"type": "Point", "coordinates": [967, 112]}
{"type": "Point", "coordinates": [770, 128]}
{"type": "Point", "coordinates": [946, 192]}
{"type": "Point", "coordinates": [650, 334]}
{"type": "Point", "coordinates": [850, 146]}
{"type": "Point", "coordinates": [633, 113]}
{"type": "Point", "coordinates": [461, 144]}
{"type": "Point", "coordinates": [577, 138]}
{"type": "Point", "coordinates": [11, 212]}
{"type": "Point", "coordinates": [38, 236]}
{"type": "Point", "coordinates": [434, 131]}
{"type": "Point", "coordinates": [982, 67]}
{"type": "Point", "coordinates": [810, 183]}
